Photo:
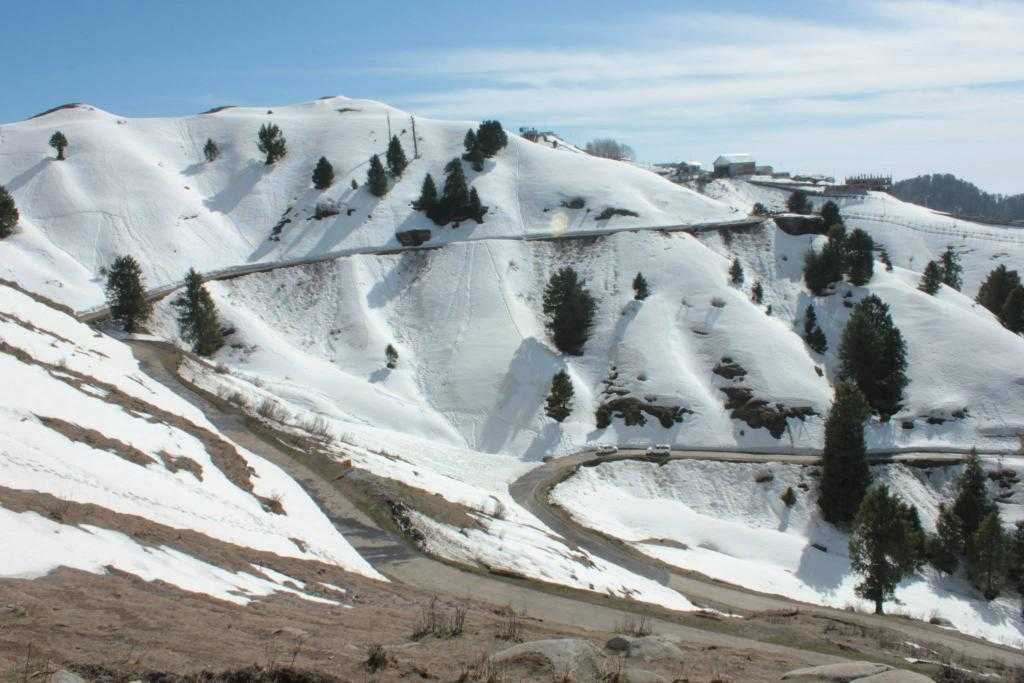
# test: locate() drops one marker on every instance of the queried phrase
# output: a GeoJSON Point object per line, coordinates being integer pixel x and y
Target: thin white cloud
{"type": "Point", "coordinates": [949, 67]}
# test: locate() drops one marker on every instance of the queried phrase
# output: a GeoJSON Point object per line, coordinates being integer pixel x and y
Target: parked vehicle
{"type": "Point", "coordinates": [606, 449]}
{"type": "Point", "coordinates": [659, 449]}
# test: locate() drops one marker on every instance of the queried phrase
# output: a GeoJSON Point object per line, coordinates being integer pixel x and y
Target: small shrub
{"type": "Point", "coordinates": [763, 477]}
{"type": "Point", "coordinates": [325, 209]}
{"type": "Point", "coordinates": [633, 625]}
{"type": "Point", "coordinates": [614, 211]}
{"type": "Point", "coordinates": [376, 658]}
{"type": "Point", "coordinates": [789, 497]}
{"type": "Point", "coordinates": [718, 302]}
{"type": "Point", "coordinates": [269, 409]}
{"type": "Point", "coordinates": [574, 203]}
{"type": "Point", "coordinates": [511, 626]}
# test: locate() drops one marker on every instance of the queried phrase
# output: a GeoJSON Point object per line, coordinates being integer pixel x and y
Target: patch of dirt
{"type": "Point", "coordinates": [729, 369]}
{"type": "Point", "coordinates": [94, 439]}
{"type": "Point", "coordinates": [759, 413]}
{"type": "Point", "coordinates": [174, 463]}
{"type": "Point", "coordinates": [631, 409]}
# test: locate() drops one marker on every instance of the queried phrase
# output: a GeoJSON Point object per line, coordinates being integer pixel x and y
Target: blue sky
{"type": "Point", "coordinates": [904, 86]}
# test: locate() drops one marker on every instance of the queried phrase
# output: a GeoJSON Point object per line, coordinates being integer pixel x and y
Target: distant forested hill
{"type": "Point", "coordinates": [946, 192]}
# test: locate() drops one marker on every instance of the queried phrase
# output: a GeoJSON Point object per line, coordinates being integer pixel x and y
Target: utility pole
{"type": "Point", "coordinates": [415, 142]}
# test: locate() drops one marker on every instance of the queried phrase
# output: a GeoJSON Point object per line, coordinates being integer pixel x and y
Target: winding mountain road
{"type": "Point", "coordinates": [395, 557]}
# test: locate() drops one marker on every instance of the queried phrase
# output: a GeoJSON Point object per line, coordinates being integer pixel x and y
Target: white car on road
{"type": "Point", "coordinates": [659, 449]}
{"type": "Point", "coordinates": [606, 449]}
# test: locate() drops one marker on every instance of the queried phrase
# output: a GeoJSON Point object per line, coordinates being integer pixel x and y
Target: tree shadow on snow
{"type": "Point", "coordinates": [522, 392]}
{"type": "Point", "coordinates": [239, 188]}
{"type": "Point", "coordinates": [402, 274]}
{"type": "Point", "coordinates": [22, 178]}
{"type": "Point", "coordinates": [379, 375]}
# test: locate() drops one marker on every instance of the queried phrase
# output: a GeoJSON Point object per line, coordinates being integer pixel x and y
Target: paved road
{"type": "Point", "coordinates": [103, 312]}
{"type": "Point", "coordinates": [532, 492]}
{"type": "Point", "coordinates": [394, 557]}
{"type": "Point", "coordinates": [391, 555]}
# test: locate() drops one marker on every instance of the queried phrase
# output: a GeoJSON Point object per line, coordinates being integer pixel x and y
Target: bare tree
{"type": "Point", "coordinates": [609, 148]}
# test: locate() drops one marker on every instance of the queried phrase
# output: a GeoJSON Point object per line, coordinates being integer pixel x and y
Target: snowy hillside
{"type": "Point", "coordinates": [142, 186]}
{"type": "Point", "coordinates": [728, 520]}
{"type": "Point", "coordinates": [79, 421]}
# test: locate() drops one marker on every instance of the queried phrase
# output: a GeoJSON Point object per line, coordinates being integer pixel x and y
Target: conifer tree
{"type": "Point", "coordinates": [323, 174]}
{"type": "Point", "coordinates": [376, 177]}
{"type": "Point", "coordinates": [354, 184]}
{"type": "Point", "coordinates": [126, 294]}
{"type": "Point", "coordinates": [798, 203]}
{"type": "Point", "coordinates": [8, 213]}
{"type": "Point", "coordinates": [559, 403]}
{"type": "Point", "coordinates": [570, 309]}
{"type": "Point", "coordinates": [455, 194]}
{"type": "Point", "coordinates": [602, 416]}
{"type": "Point", "coordinates": [427, 201]}
{"type": "Point", "coordinates": [59, 143]}
{"type": "Point", "coordinates": [197, 316]}
{"type": "Point", "coordinates": [475, 209]}
{"type": "Point", "coordinates": [1015, 561]}
{"type": "Point", "coordinates": [844, 467]}
{"type": "Point", "coordinates": [931, 279]}
{"type": "Point", "coordinates": [830, 213]}
{"type": "Point", "coordinates": [210, 150]}
{"type": "Point", "coordinates": [883, 256]}
{"type": "Point", "coordinates": [816, 273]}
{"type": "Point", "coordinates": [813, 335]}
{"type": "Point", "coordinates": [1012, 314]}
{"type": "Point", "coordinates": [396, 157]}
{"type": "Point", "coordinates": [736, 272]}
{"type": "Point", "coordinates": [986, 558]}
{"type": "Point", "coordinates": [271, 142]}
{"type": "Point", "coordinates": [972, 502]}
{"type": "Point", "coordinates": [946, 547]}
{"type": "Point", "coordinates": [759, 209]}
{"type": "Point", "coordinates": [873, 355]}
{"type": "Point", "coordinates": [757, 292]}
{"type": "Point", "coordinates": [490, 138]}
{"type": "Point", "coordinates": [951, 269]}
{"type": "Point", "coordinates": [469, 142]}
{"type": "Point", "coordinates": [884, 545]}
{"type": "Point", "coordinates": [391, 357]}
{"type": "Point", "coordinates": [640, 291]}
{"type": "Point", "coordinates": [860, 258]}
{"type": "Point", "coordinates": [997, 287]}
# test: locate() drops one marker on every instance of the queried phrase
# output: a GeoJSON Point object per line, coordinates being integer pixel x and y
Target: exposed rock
{"type": "Point", "coordinates": [632, 409]}
{"type": "Point", "coordinates": [759, 413]}
{"type": "Point", "coordinates": [562, 654]}
{"type": "Point", "coordinates": [641, 676]}
{"type": "Point", "coordinates": [617, 644]}
{"type": "Point", "coordinates": [847, 672]}
{"type": "Point", "coordinates": [799, 224]}
{"type": "Point", "coordinates": [897, 676]}
{"type": "Point", "coordinates": [729, 369]}
{"type": "Point", "coordinates": [65, 676]}
{"type": "Point", "coordinates": [655, 648]}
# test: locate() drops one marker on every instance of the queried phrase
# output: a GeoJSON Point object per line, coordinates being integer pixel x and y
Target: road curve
{"type": "Point", "coordinates": [532, 491]}
{"type": "Point", "coordinates": [398, 560]}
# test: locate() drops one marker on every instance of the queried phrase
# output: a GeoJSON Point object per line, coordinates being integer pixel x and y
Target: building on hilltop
{"type": "Point", "coordinates": [878, 183]}
{"type": "Point", "coordinates": [733, 165]}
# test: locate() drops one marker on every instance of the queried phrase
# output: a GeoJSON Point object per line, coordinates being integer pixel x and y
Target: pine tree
{"type": "Point", "coordinates": [126, 294]}
{"type": "Point", "coordinates": [475, 157]}
{"type": "Point", "coordinates": [1015, 561]}
{"type": "Point", "coordinates": [559, 403]}
{"type": "Point", "coordinates": [469, 142]}
{"type": "Point", "coordinates": [271, 142]}
{"type": "Point", "coordinates": [833, 258]}
{"type": "Point", "coordinates": [883, 256]}
{"type": "Point", "coordinates": [946, 547]}
{"type": "Point", "coordinates": [210, 150]}
{"type": "Point", "coordinates": [455, 195]}
{"type": "Point", "coordinates": [844, 467]}
{"type": "Point", "coordinates": [197, 316]}
{"type": "Point", "coordinates": [873, 355]}
{"type": "Point", "coordinates": [759, 209]}
{"type": "Point", "coordinates": [427, 201]}
{"type": "Point", "coordinates": [951, 269]}
{"type": "Point", "coordinates": [59, 143]}
{"type": "Point", "coordinates": [972, 502]}
{"type": "Point", "coordinates": [391, 357]}
{"type": "Point", "coordinates": [997, 287]}
{"type": "Point", "coordinates": [8, 213]}
{"type": "Point", "coordinates": [798, 203]}
{"type": "Point", "coordinates": [396, 157]}
{"type": "Point", "coordinates": [323, 174]}
{"type": "Point", "coordinates": [602, 416]}
{"type": "Point", "coordinates": [986, 558]}
{"type": "Point", "coordinates": [816, 273]}
{"type": "Point", "coordinates": [757, 292]}
{"type": "Point", "coordinates": [813, 335]}
{"type": "Point", "coordinates": [490, 138]}
{"type": "Point", "coordinates": [376, 177]}
{"type": "Point", "coordinates": [354, 184]}
{"type": "Point", "coordinates": [475, 209]}
{"type": "Point", "coordinates": [640, 291]}
{"type": "Point", "coordinates": [736, 272]}
{"type": "Point", "coordinates": [570, 310]}
{"type": "Point", "coordinates": [860, 258]}
{"type": "Point", "coordinates": [931, 279]}
{"type": "Point", "coordinates": [883, 546]}
{"type": "Point", "coordinates": [830, 213]}
{"type": "Point", "coordinates": [1012, 314]}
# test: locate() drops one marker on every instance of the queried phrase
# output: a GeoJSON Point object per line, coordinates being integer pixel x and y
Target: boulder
{"type": "Point", "coordinates": [844, 672]}
{"type": "Point", "coordinates": [641, 676]}
{"type": "Point", "coordinates": [617, 644]}
{"type": "Point", "coordinates": [563, 654]}
{"type": "Point", "coordinates": [896, 676]}
{"type": "Point", "coordinates": [65, 676]}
